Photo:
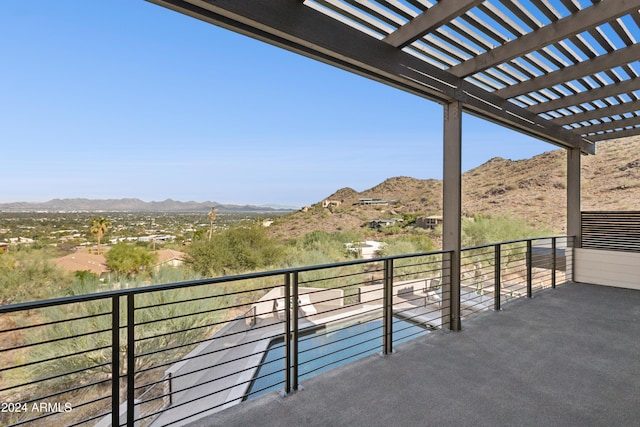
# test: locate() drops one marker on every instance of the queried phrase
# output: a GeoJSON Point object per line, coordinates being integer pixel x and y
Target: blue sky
{"type": "Point", "coordinates": [123, 98]}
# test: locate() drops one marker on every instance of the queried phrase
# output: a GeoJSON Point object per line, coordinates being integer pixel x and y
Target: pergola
{"type": "Point", "coordinates": [563, 71]}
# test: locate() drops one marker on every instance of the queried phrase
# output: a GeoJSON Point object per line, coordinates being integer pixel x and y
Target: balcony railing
{"type": "Point", "coordinates": [164, 354]}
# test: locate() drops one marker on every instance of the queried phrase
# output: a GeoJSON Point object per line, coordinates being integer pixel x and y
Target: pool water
{"type": "Point", "coordinates": [327, 348]}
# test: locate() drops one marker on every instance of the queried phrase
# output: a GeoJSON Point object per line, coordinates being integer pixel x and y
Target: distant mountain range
{"type": "Point", "coordinates": [133, 205]}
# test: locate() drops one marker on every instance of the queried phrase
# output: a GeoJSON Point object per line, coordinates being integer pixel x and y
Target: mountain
{"type": "Point", "coordinates": [533, 189]}
{"type": "Point", "coordinates": [132, 205]}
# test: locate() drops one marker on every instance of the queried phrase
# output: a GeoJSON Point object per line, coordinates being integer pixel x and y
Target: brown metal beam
{"type": "Point", "coordinates": [441, 13]}
{"type": "Point", "coordinates": [612, 125]}
{"type": "Point", "coordinates": [617, 134]}
{"type": "Point", "coordinates": [599, 113]}
{"type": "Point", "coordinates": [549, 34]}
{"type": "Point", "coordinates": [587, 96]}
{"type": "Point", "coordinates": [608, 61]}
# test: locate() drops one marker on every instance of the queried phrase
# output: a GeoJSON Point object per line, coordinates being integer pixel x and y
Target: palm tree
{"type": "Point", "coordinates": [99, 226]}
{"type": "Point", "coordinates": [212, 217]}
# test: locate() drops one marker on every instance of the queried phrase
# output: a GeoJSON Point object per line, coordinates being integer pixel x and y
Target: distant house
{"type": "Point", "coordinates": [170, 258]}
{"type": "Point", "coordinates": [159, 238]}
{"type": "Point", "coordinates": [331, 203]}
{"type": "Point", "coordinates": [83, 261]}
{"type": "Point", "coordinates": [373, 202]}
{"type": "Point", "coordinates": [429, 222]}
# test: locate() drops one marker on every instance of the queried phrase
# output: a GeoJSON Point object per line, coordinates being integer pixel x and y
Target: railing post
{"type": "Point", "coordinates": [294, 335]}
{"type": "Point", "coordinates": [454, 273]}
{"type": "Point", "coordinates": [387, 308]}
{"type": "Point", "coordinates": [497, 273]}
{"type": "Point", "coordinates": [287, 333]}
{"type": "Point", "coordinates": [131, 359]}
{"type": "Point", "coordinates": [115, 360]}
{"type": "Point", "coordinates": [554, 262]}
{"type": "Point", "coordinates": [450, 310]}
{"type": "Point", "coordinates": [529, 269]}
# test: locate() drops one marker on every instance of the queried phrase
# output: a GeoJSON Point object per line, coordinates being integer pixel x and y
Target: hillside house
{"type": "Point", "coordinates": [169, 257]}
{"type": "Point", "coordinates": [429, 222]}
{"type": "Point", "coordinates": [372, 202]}
{"type": "Point", "coordinates": [331, 203]}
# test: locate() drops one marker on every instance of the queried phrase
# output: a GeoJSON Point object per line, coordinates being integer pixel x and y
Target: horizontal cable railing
{"type": "Point", "coordinates": [612, 231]}
{"type": "Point", "coordinates": [494, 274]}
{"type": "Point", "coordinates": [164, 354]}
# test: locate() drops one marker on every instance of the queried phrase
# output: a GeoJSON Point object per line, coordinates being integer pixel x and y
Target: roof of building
{"type": "Point", "coordinates": [83, 261]}
{"type": "Point", "coordinates": [167, 255]}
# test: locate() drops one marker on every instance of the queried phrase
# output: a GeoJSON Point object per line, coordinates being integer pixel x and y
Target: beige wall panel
{"type": "Point", "coordinates": [609, 268]}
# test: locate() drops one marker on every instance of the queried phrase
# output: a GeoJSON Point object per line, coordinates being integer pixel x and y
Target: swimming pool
{"type": "Point", "coordinates": [328, 347]}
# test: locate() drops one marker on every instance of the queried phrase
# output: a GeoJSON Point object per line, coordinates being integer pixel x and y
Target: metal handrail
{"type": "Point", "coordinates": [390, 287]}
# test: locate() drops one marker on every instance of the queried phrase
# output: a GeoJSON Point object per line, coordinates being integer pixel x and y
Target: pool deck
{"type": "Point", "coordinates": [567, 357]}
{"type": "Point", "coordinates": [229, 378]}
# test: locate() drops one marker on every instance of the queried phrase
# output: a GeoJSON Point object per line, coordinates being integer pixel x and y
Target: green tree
{"type": "Point", "coordinates": [129, 260]}
{"type": "Point", "coordinates": [239, 249]}
{"type": "Point", "coordinates": [99, 226]}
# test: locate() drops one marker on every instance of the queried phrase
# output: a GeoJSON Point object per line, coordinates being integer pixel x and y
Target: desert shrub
{"type": "Point", "coordinates": [129, 260]}
{"type": "Point", "coordinates": [29, 280]}
{"type": "Point", "coordinates": [74, 347]}
{"type": "Point", "coordinates": [239, 249]}
{"type": "Point", "coordinates": [407, 244]}
{"type": "Point", "coordinates": [483, 230]}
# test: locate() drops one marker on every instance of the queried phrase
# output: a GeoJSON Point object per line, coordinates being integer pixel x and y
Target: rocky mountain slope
{"type": "Point", "coordinates": [534, 189]}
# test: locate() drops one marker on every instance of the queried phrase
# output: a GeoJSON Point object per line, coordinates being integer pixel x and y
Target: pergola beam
{"type": "Point", "coordinates": [599, 113]}
{"type": "Point", "coordinates": [436, 16]}
{"type": "Point", "coordinates": [612, 125]}
{"type": "Point", "coordinates": [586, 96]}
{"type": "Point", "coordinates": [617, 134]}
{"type": "Point", "coordinates": [301, 29]}
{"type": "Point", "coordinates": [556, 31]}
{"type": "Point", "coordinates": [622, 56]}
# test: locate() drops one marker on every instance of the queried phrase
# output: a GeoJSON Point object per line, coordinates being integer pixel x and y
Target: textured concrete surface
{"type": "Point", "coordinates": [567, 357]}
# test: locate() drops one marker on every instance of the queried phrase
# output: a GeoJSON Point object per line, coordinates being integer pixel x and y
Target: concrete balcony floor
{"type": "Point", "coordinates": [567, 357]}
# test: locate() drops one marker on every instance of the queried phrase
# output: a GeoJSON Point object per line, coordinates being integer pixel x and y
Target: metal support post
{"type": "Point", "coordinates": [452, 205]}
{"type": "Point", "coordinates": [574, 215]}
{"type": "Point", "coordinates": [287, 333]}
{"type": "Point", "coordinates": [529, 269]}
{"type": "Point", "coordinates": [497, 277]}
{"type": "Point", "coordinates": [554, 262]}
{"type": "Point", "coordinates": [131, 359]}
{"type": "Point", "coordinates": [387, 307]}
{"type": "Point", "coordinates": [115, 360]}
{"type": "Point", "coordinates": [294, 332]}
